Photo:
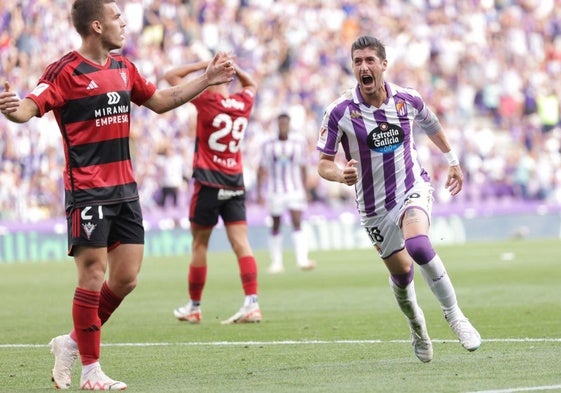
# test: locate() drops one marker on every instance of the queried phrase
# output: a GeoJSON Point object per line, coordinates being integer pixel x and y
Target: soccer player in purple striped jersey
{"type": "Point", "coordinates": [282, 178]}
{"type": "Point", "coordinates": [374, 123]}
{"type": "Point", "coordinates": [90, 91]}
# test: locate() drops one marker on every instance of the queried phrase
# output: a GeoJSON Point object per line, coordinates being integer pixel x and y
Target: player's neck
{"type": "Point", "coordinates": [376, 98]}
{"type": "Point", "coordinates": [94, 53]}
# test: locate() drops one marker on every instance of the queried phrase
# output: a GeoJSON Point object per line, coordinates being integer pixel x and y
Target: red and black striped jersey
{"type": "Point", "coordinates": [221, 125]}
{"type": "Point", "coordinates": [91, 104]}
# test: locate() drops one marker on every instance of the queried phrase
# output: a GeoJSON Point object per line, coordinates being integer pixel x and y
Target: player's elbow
{"type": "Point", "coordinates": [323, 169]}
{"type": "Point", "coordinates": [172, 78]}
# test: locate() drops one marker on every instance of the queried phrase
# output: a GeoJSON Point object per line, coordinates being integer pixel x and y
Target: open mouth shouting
{"type": "Point", "coordinates": [367, 81]}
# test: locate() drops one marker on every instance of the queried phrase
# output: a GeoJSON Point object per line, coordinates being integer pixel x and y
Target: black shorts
{"type": "Point", "coordinates": [209, 203]}
{"type": "Point", "coordinates": [105, 225]}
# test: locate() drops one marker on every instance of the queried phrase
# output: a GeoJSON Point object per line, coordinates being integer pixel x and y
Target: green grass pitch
{"type": "Point", "coordinates": [334, 329]}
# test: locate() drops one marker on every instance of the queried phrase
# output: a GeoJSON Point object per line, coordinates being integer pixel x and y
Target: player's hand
{"type": "Point", "coordinates": [455, 179]}
{"type": "Point", "coordinates": [9, 101]}
{"type": "Point", "coordinates": [349, 173]}
{"type": "Point", "coordinates": [221, 69]}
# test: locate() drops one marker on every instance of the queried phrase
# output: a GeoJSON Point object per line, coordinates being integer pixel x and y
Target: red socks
{"type": "Point", "coordinates": [197, 280]}
{"type": "Point", "coordinates": [87, 325]}
{"type": "Point", "coordinates": [108, 302]}
{"type": "Point", "coordinates": [90, 310]}
{"type": "Point", "coordinates": [248, 274]}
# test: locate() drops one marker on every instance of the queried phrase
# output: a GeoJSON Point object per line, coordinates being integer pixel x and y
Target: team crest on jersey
{"type": "Point", "coordinates": [88, 229]}
{"type": "Point", "coordinates": [401, 108]}
{"type": "Point", "coordinates": [124, 77]}
{"type": "Point", "coordinates": [355, 114]}
{"type": "Point", "coordinates": [385, 138]}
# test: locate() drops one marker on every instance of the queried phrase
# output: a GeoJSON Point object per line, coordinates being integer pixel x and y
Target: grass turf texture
{"type": "Point", "coordinates": [334, 329]}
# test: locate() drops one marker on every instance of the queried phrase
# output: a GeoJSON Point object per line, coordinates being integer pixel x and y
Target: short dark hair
{"type": "Point", "coordinates": [367, 41]}
{"type": "Point", "coordinates": [283, 115]}
{"type": "Point", "coordinates": [84, 12]}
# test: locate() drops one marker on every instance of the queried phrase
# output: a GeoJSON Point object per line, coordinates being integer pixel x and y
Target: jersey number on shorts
{"type": "Point", "coordinates": [225, 125]}
{"type": "Point", "coordinates": [86, 215]}
{"type": "Point", "coordinates": [375, 234]}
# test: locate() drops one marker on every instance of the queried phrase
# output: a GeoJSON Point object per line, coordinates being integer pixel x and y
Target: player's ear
{"type": "Point", "coordinates": [96, 26]}
{"type": "Point", "coordinates": [385, 63]}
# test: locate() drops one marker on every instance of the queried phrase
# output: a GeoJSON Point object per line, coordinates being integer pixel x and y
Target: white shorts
{"type": "Point", "coordinates": [385, 231]}
{"type": "Point", "coordinates": [277, 204]}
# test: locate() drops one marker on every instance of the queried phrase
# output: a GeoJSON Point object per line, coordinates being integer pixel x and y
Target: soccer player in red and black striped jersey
{"type": "Point", "coordinates": [219, 189]}
{"type": "Point", "coordinates": [90, 91]}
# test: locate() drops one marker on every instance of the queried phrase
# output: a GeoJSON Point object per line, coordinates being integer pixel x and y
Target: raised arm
{"type": "Point", "coordinates": [16, 110]}
{"type": "Point", "coordinates": [245, 79]}
{"type": "Point", "coordinates": [219, 70]}
{"type": "Point", "coordinates": [175, 76]}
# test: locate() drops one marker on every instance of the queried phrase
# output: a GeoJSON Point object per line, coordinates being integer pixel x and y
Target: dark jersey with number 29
{"type": "Point", "coordinates": [221, 125]}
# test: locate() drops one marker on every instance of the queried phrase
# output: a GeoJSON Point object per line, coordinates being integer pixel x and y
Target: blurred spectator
{"type": "Point", "coordinates": [487, 68]}
{"type": "Point", "coordinates": [548, 109]}
{"type": "Point", "coordinates": [171, 174]}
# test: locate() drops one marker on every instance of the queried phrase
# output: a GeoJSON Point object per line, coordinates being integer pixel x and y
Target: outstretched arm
{"type": "Point", "coordinates": [219, 70]}
{"type": "Point", "coordinates": [16, 110]}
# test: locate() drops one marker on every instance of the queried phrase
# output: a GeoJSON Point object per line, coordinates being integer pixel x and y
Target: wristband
{"type": "Point", "coordinates": [452, 158]}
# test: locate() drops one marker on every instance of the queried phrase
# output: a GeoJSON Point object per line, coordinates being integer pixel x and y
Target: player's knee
{"type": "Point", "coordinates": [130, 286]}
{"type": "Point", "coordinates": [241, 248]}
{"type": "Point", "coordinates": [402, 280]}
{"type": "Point", "coordinates": [122, 286]}
{"type": "Point", "coordinates": [420, 249]}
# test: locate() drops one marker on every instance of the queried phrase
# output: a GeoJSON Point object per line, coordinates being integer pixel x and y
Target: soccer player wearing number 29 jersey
{"type": "Point", "coordinates": [374, 124]}
{"type": "Point", "coordinates": [90, 92]}
{"type": "Point", "coordinates": [219, 189]}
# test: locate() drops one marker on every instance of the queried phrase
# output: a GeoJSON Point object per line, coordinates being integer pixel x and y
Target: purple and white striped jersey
{"type": "Point", "coordinates": [381, 140]}
{"type": "Point", "coordinates": [283, 161]}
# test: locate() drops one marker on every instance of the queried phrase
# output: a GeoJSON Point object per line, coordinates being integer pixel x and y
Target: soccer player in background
{"type": "Point", "coordinates": [219, 189]}
{"type": "Point", "coordinates": [282, 176]}
{"type": "Point", "coordinates": [90, 91]}
{"type": "Point", "coordinates": [374, 123]}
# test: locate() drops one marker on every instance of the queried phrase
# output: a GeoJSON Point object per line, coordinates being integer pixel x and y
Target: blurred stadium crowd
{"type": "Point", "coordinates": [489, 68]}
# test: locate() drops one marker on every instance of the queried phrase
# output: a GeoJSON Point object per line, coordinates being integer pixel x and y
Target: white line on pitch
{"type": "Point", "coordinates": [526, 389]}
{"type": "Point", "coordinates": [285, 342]}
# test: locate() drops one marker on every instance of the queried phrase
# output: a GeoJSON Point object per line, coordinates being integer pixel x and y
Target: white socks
{"type": "Point", "coordinates": [89, 367]}
{"type": "Point", "coordinates": [300, 248]}
{"type": "Point", "coordinates": [275, 249]}
{"type": "Point", "coordinates": [435, 275]}
{"type": "Point", "coordinates": [406, 299]}
{"type": "Point", "coordinates": [250, 299]}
